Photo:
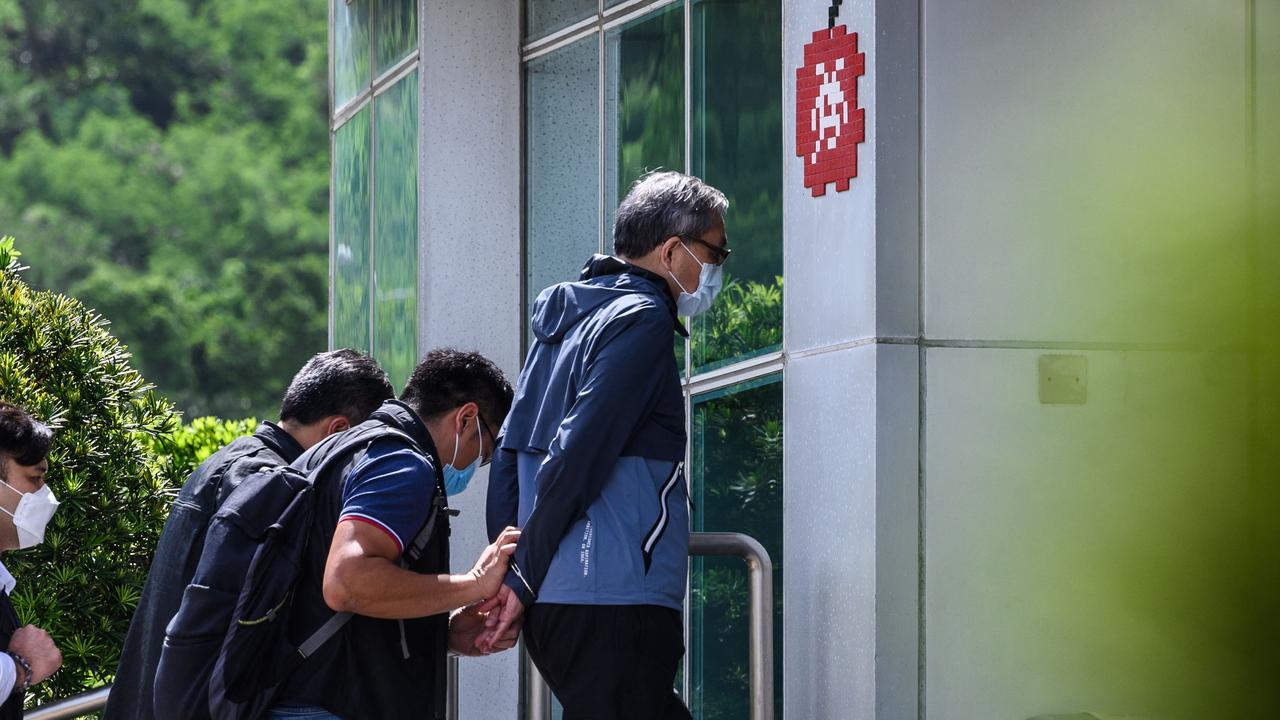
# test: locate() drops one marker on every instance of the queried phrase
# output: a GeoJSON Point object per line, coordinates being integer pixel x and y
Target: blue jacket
{"type": "Point", "coordinates": [590, 463]}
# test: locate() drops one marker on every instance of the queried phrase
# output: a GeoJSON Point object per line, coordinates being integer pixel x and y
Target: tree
{"type": "Point", "coordinates": [58, 361]}
{"type": "Point", "coordinates": [172, 157]}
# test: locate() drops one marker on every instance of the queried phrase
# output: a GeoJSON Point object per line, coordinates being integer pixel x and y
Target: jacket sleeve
{"type": "Point", "coordinates": [503, 502]}
{"type": "Point", "coordinates": [618, 388]}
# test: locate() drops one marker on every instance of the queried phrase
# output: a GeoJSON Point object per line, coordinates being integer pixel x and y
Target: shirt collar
{"type": "Point", "coordinates": [278, 440]}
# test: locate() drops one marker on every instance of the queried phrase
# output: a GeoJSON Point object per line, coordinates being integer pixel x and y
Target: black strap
{"type": "Point", "coordinates": [412, 553]}
{"type": "Point", "coordinates": [361, 438]}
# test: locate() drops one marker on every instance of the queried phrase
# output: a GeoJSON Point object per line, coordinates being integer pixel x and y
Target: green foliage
{"type": "Point", "coordinates": [191, 444]}
{"type": "Point", "coordinates": [172, 157]}
{"type": "Point", "coordinates": [737, 487]}
{"type": "Point", "coordinates": [745, 320]}
{"type": "Point", "coordinates": [58, 361]}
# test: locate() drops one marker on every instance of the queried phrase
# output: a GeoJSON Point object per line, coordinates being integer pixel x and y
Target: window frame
{"type": "Point", "coordinates": [693, 385]}
{"type": "Point", "coordinates": [598, 25]}
{"type": "Point", "coordinates": [338, 116]}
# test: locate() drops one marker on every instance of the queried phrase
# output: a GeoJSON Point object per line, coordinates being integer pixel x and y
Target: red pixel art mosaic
{"type": "Point", "coordinates": [829, 123]}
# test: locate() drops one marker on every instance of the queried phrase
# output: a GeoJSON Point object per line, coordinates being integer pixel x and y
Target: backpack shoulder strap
{"type": "Point", "coordinates": [414, 551]}
{"type": "Point", "coordinates": [361, 437]}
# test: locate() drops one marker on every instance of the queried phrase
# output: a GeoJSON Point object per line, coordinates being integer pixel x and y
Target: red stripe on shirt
{"type": "Point", "coordinates": [374, 522]}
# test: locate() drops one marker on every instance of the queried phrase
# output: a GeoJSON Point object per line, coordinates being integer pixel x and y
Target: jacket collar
{"type": "Point", "coordinates": [601, 265]}
{"type": "Point", "coordinates": [280, 441]}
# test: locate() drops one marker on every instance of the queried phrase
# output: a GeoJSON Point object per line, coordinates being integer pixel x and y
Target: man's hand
{"type": "Point", "coordinates": [38, 649]}
{"type": "Point", "coordinates": [492, 565]}
{"type": "Point", "coordinates": [503, 622]}
{"type": "Point", "coordinates": [467, 627]}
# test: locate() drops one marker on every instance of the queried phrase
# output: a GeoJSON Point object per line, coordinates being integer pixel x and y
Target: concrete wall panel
{"type": "Point", "coordinates": [470, 243]}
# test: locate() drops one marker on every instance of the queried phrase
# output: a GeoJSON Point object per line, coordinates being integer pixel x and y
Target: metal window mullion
{"type": "Point", "coordinates": [373, 228]}
{"type": "Point", "coordinates": [332, 167]}
{"type": "Point", "coordinates": [688, 587]}
{"type": "Point", "coordinates": [373, 181]}
{"type": "Point", "coordinates": [351, 108]}
{"type": "Point", "coordinates": [688, 155]}
{"type": "Point", "coordinates": [619, 8]}
{"type": "Point", "coordinates": [566, 42]}
{"type": "Point", "coordinates": [688, 90]}
{"type": "Point", "coordinates": [688, 345]}
{"type": "Point", "coordinates": [395, 73]}
{"type": "Point", "coordinates": [385, 82]}
{"type": "Point", "coordinates": [641, 11]}
{"type": "Point", "coordinates": [740, 372]}
{"type": "Point", "coordinates": [420, 236]}
{"type": "Point", "coordinates": [602, 40]}
{"type": "Point", "coordinates": [557, 38]}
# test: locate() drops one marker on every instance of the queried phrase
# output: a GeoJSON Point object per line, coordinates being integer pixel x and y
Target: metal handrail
{"type": "Point", "coordinates": [760, 587]}
{"type": "Point", "coordinates": [94, 700]}
{"type": "Point", "coordinates": [760, 584]}
{"type": "Point", "coordinates": [71, 707]}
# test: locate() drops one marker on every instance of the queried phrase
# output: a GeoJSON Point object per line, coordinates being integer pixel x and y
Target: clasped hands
{"type": "Point", "coordinates": [493, 624]}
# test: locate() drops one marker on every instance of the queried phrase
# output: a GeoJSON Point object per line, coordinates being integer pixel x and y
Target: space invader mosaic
{"type": "Point", "coordinates": [829, 123]}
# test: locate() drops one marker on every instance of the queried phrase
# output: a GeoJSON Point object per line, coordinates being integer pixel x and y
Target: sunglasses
{"type": "Point", "coordinates": [718, 254]}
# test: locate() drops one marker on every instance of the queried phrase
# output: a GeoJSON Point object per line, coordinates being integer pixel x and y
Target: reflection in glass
{"type": "Point", "coordinates": [350, 49]}
{"type": "Point", "coordinates": [735, 486]}
{"type": "Point", "coordinates": [644, 101]}
{"type": "Point", "coordinates": [543, 17]}
{"type": "Point", "coordinates": [397, 31]}
{"type": "Point", "coordinates": [396, 229]}
{"type": "Point", "coordinates": [351, 233]}
{"type": "Point", "coordinates": [736, 89]}
{"type": "Point", "coordinates": [563, 163]}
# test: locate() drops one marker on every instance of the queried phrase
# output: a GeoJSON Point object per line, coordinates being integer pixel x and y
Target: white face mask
{"type": "Point", "coordinates": [32, 515]}
{"type": "Point", "coordinates": [710, 278]}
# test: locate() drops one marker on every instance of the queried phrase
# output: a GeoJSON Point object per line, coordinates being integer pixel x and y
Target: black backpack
{"type": "Point", "coordinates": [227, 648]}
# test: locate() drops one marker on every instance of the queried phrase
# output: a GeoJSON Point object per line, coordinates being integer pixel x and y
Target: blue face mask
{"type": "Point", "coordinates": [455, 480]}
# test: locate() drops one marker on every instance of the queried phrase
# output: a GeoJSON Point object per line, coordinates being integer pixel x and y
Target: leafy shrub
{"type": "Point", "coordinates": [745, 320]}
{"type": "Point", "coordinates": [189, 445]}
{"type": "Point", "coordinates": [58, 361]}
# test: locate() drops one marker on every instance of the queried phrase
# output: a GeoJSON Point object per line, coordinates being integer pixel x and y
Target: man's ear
{"type": "Point", "coordinates": [668, 250]}
{"type": "Point", "coordinates": [467, 414]}
{"type": "Point", "coordinates": [336, 424]}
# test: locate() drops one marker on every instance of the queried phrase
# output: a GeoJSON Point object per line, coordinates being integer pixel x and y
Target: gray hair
{"type": "Point", "coordinates": [663, 204]}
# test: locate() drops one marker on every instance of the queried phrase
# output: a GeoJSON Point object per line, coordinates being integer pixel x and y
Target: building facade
{"type": "Point", "coordinates": [1045, 191]}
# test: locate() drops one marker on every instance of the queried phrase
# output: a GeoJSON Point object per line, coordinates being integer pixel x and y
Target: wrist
{"type": "Point", "coordinates": [22, 673]}
{"type": "Point", "coordinates": [473, 589]}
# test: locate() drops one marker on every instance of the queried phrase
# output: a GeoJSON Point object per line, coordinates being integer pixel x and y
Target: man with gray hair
{"type": "Point", "coordinates": [591, 460]}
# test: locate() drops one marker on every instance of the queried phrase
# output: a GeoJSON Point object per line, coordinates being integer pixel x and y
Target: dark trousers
{"type": "Point", "coordinates": [609, 662]}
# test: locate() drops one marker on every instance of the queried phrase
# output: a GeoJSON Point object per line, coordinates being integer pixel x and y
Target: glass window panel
{"type": "Point", "coordinates": [350, 49]}
{"type": "Point", "coordinates": [735, 486]}
{"type": "Point", "coordinates": [736, 91]}
{"type": "Point", "coordinates": [395, 229]}
{"type": "Point", "coordinates": [351, 233]}
{"type": "Point", "coordinates": [563, 164]}
{"type": "Point", "coordinates": [644, 101]}
{"type": "Point", "coordinates": [543, 17]}
{"type": "Point", "coordinates": [397, 31]}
